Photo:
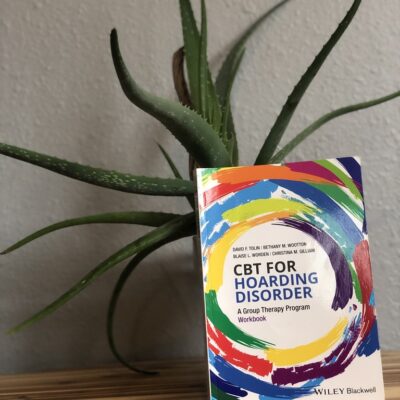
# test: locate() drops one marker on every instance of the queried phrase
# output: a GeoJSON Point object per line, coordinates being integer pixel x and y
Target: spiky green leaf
{"type": "Point", "coordinates": [192, 131]}
{"type": "Point", "coordinates": [175, 171]}
{"type": "Point", "coordinates": [100, 177]}
{"type": "Point", "coordinates": [125, 274]}
{"type": "Point", "coordinates": [280, 125]}
{"type": "Point", "coordinates": [128, 217]}
{"type": "Point", "coordinates": [225, 79]}
{"type": "Point", "coordinates": [195, 46]}
{"type": "Point", "coordinates": [225, 74]}
{"type": "Point", "coordinates": [191, 40]}
{"type": "Point", "coordinates": [171, 164]}
{"type": "Point", "coordinates": [305, 133]}
{"type": "Point", "coordinates": [227, 125]}
{"type": "Point", "coordinates": [227, 121]}
{"type": "Point", "coordinates": [233, 148]}
{"type": "Point", "coordinates": [180, 224]}
{"type": "Point", "coordinates": [203, 69]}
{"type": "Point", "coordinates": [113, 305]}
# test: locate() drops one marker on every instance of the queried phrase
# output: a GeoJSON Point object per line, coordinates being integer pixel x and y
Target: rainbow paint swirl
{"type": "Point", "coordinates": [324, 200]}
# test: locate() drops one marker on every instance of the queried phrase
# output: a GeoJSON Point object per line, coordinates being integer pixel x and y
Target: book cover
{"type": "Point", "coordinates": [289, 300]}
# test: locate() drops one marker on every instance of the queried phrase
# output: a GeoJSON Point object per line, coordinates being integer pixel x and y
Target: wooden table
{"type": "Point", "coordinates": [177, 380]}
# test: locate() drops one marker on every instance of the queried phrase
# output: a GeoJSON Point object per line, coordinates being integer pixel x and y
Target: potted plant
{"type": "Point", "coordinates": [203, 123]}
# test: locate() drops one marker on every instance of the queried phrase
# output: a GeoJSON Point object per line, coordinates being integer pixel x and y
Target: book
{"type": "Point", "coordinates": [289, 300]}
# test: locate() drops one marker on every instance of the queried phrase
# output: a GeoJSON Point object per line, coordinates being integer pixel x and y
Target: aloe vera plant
{"type": "Point", "coordinates": [203, 123]}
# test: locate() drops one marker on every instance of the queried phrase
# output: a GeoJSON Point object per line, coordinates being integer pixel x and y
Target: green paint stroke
{"type": "Point", "coordinates": [342, 198]}
{"type": "Point", "coordinates": [264, 206]}
{"type": "Point", "coordinates": [348, 182]}
{"type": "Point", "coordinates": [356, 282]}
{"type": "Point", "coordinates": [206, 174]}
{"type": "Point", "coordinates": [223, 323]}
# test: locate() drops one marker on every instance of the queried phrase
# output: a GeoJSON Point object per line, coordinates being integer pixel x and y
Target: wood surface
{"type": "Point", "coordinates": [177, 380]}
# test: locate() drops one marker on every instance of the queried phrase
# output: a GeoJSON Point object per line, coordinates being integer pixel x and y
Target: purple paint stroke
{"type": "Point", "coordinates": [312, 168]}
{"type": "Point", "coordinates": [331, 366]}
{"type": "Point", "coordinates": [344, 285]}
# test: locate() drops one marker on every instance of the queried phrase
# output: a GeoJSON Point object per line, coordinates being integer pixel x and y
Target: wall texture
{"type": "Point", "coordinates": [59, 95]}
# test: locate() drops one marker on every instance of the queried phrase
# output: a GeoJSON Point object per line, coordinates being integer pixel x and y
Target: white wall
{"type": "Point", "coordinates": [59, 95]}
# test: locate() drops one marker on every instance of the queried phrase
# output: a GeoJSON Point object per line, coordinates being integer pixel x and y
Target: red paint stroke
{"type": "Point", "coordinates": [363, 267]}
{"type": "Point", "coordinates": [234, 356]}
{"type": "Point", "coordinates": [313, 168]}
{"type": "Point", "coordinates": [224, 189]}
{"type": "Point", "coordinates": [231, 180]}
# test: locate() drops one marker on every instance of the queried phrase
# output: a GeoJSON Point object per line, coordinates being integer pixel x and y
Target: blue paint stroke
{"type": "Point", "coordinates": [353, 168]}
{"type": "Point", "coordinates": [227, 387]}
{"type": "Point", "coordinates": [370, 344]}
{"type": "Point", "coordinates": [326, 205]}
{"type": "Point", "coordinates": [248, 382]}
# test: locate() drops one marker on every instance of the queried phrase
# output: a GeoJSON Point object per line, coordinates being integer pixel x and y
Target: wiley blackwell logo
{"type": "Point", "coordinates": [329, 392]}
{"type": "Point", "coordinates": [341, 391]}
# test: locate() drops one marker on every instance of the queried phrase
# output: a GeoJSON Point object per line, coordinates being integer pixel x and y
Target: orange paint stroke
{"type": "Point", "coordinates": [234, 176]}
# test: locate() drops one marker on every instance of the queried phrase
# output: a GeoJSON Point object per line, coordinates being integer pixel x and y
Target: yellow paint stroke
{"type": "Point", "coordinates": [220, 249]}
{"type": "Point", "coordinates": [263, 206]}
{"type": "Point", "coordinates": [301, 354]}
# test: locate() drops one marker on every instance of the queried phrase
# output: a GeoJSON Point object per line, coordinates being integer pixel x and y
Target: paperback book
{"type": "Point", "coordinates": [289, 300]}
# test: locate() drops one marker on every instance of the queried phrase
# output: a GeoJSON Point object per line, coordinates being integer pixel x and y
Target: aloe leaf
{"type": "Point", "coordinates": [193, 43]}
{"type": "Point", "coordinates": [192, 131]}
{"type": "Point", "coordinates": [183, 223]}
{"type": "Point", "coordinates": [305, 133]}
{"type": "Point", "coordinates": [228, 127]}
{"type": "Point", "coordinates": [280, 125]}
{"type": "Point", "coordinates": [230, 79]}
{"type": "Point", "coordinates": [100, 177]}
{"type": "Point", "coordinates": [113, 305]}
{"type": "Point", "coordinates": [125, 274]}
{"type": "Point", "coordinates": [225, 79]}
{"type": "Point", "coordinates": [128, 217]}
{"type": "Point", "coordinates": [171, 164]}
{"type": "Point", "coordinates": [175, 171]}
{"type": "Point", "coordinates": [191, 40]}
{"type": "Point", "coordinates": [204, 109]}
{"type": "Point", "coordinates": [178, 74]}
{"type": "Point", "coordinates": [225, 73]}
{"type": "Point", "coordinates": [233, 149]}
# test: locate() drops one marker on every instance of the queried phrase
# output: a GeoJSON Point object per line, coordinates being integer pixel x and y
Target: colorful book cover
{"type": "Point", "coordinates": [289, 301]}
